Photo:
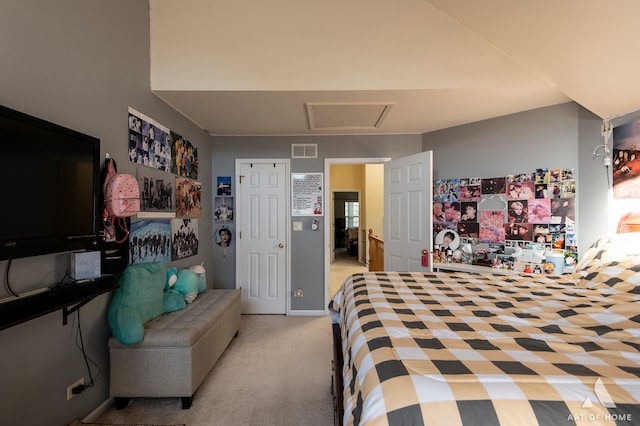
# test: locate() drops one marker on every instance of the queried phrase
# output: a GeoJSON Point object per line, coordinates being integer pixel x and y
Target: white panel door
{"type": "Point", "coordinates": [262, 251]}
{"type": "Point", "coordinates": [408, 208]}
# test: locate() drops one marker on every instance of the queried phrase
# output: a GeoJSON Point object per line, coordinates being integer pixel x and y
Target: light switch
{"type": "Point", "coordinates": [297, 226]}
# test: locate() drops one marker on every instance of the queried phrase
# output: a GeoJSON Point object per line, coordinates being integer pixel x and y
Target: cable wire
{"type": "Point", "coordinates": [7, 284]}
{"type": "Point", "coordinates": [87, 360]}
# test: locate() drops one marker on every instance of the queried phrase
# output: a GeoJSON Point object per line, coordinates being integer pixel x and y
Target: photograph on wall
{"type": "Point", "coordinates": [224, 236]}
{"type": "Point", "coordinates": [542, 176]}
{"type": "Point", "coordinates": [446, 190]}
{"type": "Point", "coordinates": [563, 210]}
{"type": "Point", "coordinates": [568, 189]}
{"type": "Point", "coordinates": [184, 157]}
{"type": "Point", "coordinates": [438, 212]}
{"type": "Point", "coordinates": [149, 241]}
{"type": "Point", "coordinates": [469, 192]}
{"type": "Point", "coordinates": [520, 191]}
{"type": "Point", "coordinates": [518, 231]}
{"type": "Point", "coordinates": [156, 190]}
{"type": "Point", "coordinates": [541, 234]}
{"type": "Point", "coordinates": [468, 211]}
{"type": "Point", "coordinates": [492, 227]}
{"type": "Point", "coordinates": [496, 185]}
{"type": "Point", "coordinates": [518, 211]}
{"type": "Point", "coordinates": [184, 238]}
{"type": "Point", "coordinates": [469, 230]}
{"type": "Point", "coordinates": [188, 197]}
{"type": "Point", "coordinates": [539, 211]}
{"type": "Point", "coordinates": [568, 174]}
{"type": "Point", "coordinates": [224, 185]}
{"type": "Point", "coordinates": [541, 190]}
{"type": "Point", "coordinates": [625, 161]}
{"type": "Point", "coordinates": [520, 178]}
{"type": "Point", "coordinates": [306, 194]}
{"type": "Point", "coordinates": [223, 210]}
{"type": "Point", "coordinates": [451, 211]}
{"type": "Point", "coordinates": [148, 142]}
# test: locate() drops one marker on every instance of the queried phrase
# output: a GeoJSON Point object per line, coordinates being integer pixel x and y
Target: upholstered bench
{"type": "Point", "coordinates": [179, 349]}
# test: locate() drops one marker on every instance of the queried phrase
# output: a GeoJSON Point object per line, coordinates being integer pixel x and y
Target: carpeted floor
{"type": "Point", "coordinates": [276, 372]}
{"type": "Point", "coordinates": [343, 266]}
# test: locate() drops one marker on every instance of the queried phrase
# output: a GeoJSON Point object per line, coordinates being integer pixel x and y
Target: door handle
{"type": "Point", "coordinates": [281, 245]}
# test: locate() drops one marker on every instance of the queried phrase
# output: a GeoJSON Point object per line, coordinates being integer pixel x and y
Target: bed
{"type": "Point", "coordinates": [458, 348]}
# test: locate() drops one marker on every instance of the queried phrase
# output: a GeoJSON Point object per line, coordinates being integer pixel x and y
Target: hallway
{"type": "Point", "coordinates": [342, 267]}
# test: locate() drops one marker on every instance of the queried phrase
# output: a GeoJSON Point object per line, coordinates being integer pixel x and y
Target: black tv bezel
{"type": "Point", "coordinates": [17, 248]}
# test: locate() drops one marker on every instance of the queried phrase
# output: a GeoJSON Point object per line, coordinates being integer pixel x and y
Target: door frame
{"type": "Point", "coordinates": [287, 225]}
{"type": "Point", "coordinates": [328, 162]}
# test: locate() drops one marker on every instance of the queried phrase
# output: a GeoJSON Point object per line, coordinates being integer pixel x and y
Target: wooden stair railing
{"type": "Point", "coordinates": [376, 252]}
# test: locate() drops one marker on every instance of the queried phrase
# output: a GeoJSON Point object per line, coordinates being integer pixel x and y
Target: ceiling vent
{"type": "Point", "coordinates": [301, 150]}
{"type": "Point", "coordinates": [347, 115]}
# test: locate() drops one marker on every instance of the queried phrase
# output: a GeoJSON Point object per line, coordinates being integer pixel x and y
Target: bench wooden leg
{"type": "Point", "coordinates": [121, 402]}
{"type": "Point", "coordinates": [186, 402]}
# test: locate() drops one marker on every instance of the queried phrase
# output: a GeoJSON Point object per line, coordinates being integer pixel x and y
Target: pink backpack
{"type": "Point", "coordinates": [121, 193]}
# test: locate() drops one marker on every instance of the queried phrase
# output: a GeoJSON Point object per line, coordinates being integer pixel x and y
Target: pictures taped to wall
{"type": "Point", "coordinates": [149, 142]}
{"type": "Point", "coordinates": [157, 191]}
{"type": "Point", "coordinates": [223, 186]}
{"type": "Point", "coordinates": [184, 157]}
{"type": "Point", "coordinates": [150, 241]}
{"type": "Point", "coordinates": [164, 153]}
{"type": "Point", "coordinates": [511, 211]}
{"type": "Point", "coordinates": [184, 238]}
{"type": "Point", "coordinates": [223, 210]}
{"type": "Point", "coordinates": [188, 198]}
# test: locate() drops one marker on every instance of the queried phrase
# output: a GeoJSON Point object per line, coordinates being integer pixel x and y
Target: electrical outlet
{"type": "Point", "coordinates": [70, 393]}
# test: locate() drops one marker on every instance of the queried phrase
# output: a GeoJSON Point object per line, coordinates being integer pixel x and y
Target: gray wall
{"type": "Point", "coordinates": [561, 136]}
{"type": "Point", "coordinates": [80, 64]}
{"type": "Point", "coordinates": [307, 247]}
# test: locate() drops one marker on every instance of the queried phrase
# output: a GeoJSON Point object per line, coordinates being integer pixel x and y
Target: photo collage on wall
{"type": "Point", "coordinates": [508, 212]}
{"type": "Point", "coordinates": [170, 205]}
{"type": "Point", "coordinates": [223, 214]}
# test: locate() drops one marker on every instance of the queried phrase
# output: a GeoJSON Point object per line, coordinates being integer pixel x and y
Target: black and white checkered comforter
{"type": "Point", "coordinates": [439, 348]}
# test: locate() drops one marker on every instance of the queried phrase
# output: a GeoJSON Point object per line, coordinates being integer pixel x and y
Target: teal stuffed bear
{"type": "Point", "coordinates": [139, 298]}
{"type": "Point", "coordinates": [185, 285]}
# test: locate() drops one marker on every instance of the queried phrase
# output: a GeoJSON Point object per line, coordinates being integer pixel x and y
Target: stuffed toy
{"type": "Point", "coordinates": [139, 298]}
{"type": "Point", "coordinates": [202, 280]}
{"type": "Point", "coordinates": [172, 277]}
{"type": "Point", "coordinates": [186, 285]}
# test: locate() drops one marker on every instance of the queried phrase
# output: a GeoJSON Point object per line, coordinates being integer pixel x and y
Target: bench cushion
{"type": "Point", "coordinates": [183, 328]}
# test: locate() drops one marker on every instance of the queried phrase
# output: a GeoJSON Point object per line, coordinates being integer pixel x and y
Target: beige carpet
{"type": "Point", "coordinates": [343, 266]}
{"type": "Point", "coordinates": [276, 372]}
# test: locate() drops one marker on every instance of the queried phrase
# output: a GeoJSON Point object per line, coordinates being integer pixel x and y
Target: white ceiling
{"type": "Point", "coordinates": [255, 67]}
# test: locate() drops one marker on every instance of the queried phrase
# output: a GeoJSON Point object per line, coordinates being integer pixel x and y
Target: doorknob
{"type": "Point", "coordinates": [281, 245]}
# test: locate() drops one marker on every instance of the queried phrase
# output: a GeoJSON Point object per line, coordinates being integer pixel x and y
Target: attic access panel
{"type": "Point", "coordinates": [347, 115]}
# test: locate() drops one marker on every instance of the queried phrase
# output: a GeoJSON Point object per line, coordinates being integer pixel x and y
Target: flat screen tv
{"type": "Point", "coordinates": [50, 180]}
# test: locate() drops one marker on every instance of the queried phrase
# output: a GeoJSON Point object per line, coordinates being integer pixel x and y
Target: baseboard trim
{"type": "Point", "coordinates": [95, 414]}
{"type": "Point", "coordinates": [300, 313]}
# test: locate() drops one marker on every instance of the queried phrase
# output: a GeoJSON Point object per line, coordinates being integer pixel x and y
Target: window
{"type": "Point", "coordinates": [352, 214]}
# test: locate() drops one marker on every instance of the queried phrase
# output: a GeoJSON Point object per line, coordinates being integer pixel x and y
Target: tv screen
{"type": "Point", "coordinates": [50, 182]}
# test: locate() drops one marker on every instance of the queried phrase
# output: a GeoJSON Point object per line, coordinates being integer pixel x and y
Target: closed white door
{"type": "Point", "coordinates": [408, 204]}
{"type": "Point", "coordinates": [263, 242]}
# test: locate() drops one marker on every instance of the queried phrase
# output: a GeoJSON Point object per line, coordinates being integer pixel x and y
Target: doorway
{"type": "Point", "coordinates": [346, 250]}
